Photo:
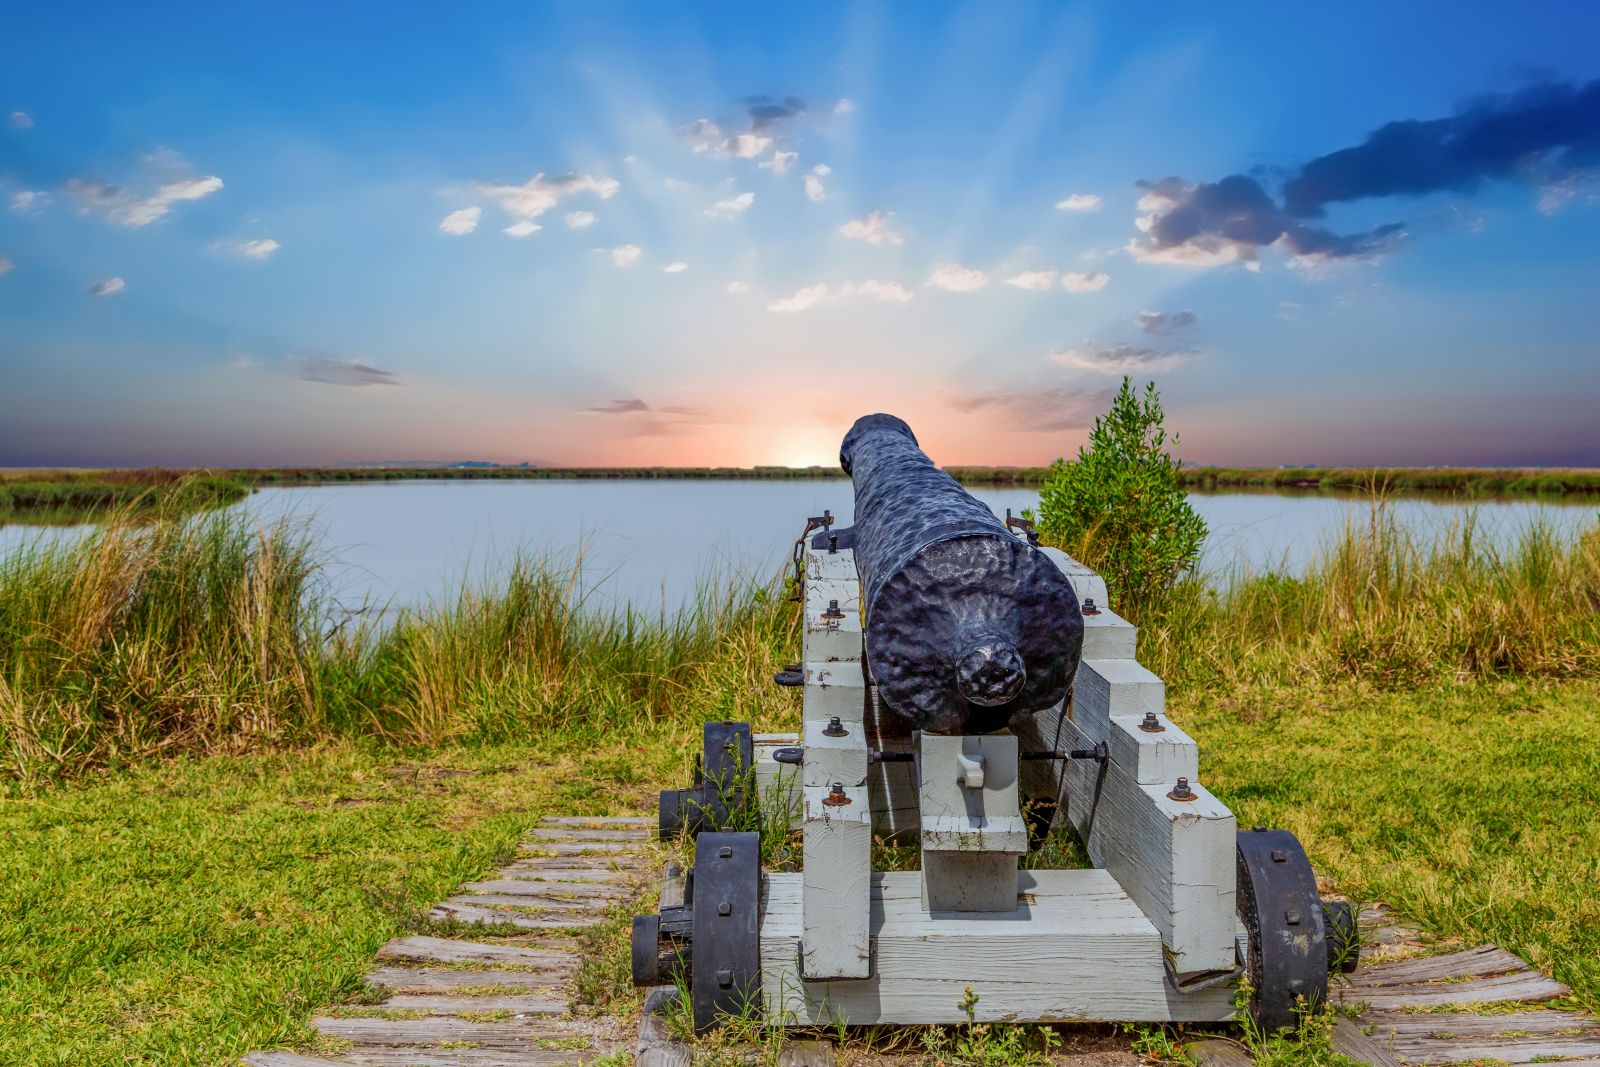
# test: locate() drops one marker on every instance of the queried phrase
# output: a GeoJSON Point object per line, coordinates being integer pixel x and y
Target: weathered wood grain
{"type": "Point", "coordinates": [597, 820]}
{"type": "Point", "coordinates": [473, 913]}
{"type": "Point", "coordinates": [446, 950]}
{"type": "Point", "coordinates": [1216, 1052]}
{"type": "Point", "coordinates": [576, 833]}
{"type": "Point", "coordinates": [655, 1048]}
{"type": "Point", "coordinates": [592, 894]}
{"type": "Point", "coordinates": [836, 884]}
{"type": "Point", "coordinates": [1348, 1039]}
{"type": "Point", "coordinates": [445, 1004]}
{"type": "Point", "coordinates": [446, 979]}
{"type": "Point", "coordinates": [1518, 987]}
{"type": "Point", "coordinates": [579, 848]}
{"type": "Point", "coordinates": [806, 1054]}
{"type": "Point", "coordinates": [415, 1056]}
{"type": "Point", "coordinates": [511, 1034]}
{"type": "Point", "coordinates": [289, 1059]}
{"type": "Point", "coordinates": [539, 870]}
{"type": "Point", "coordinates": [1480, 962]}
{"type": "Point", "coordinates": [528, 905]}
{"type": "Point", "coordinates": [1407, 1026]}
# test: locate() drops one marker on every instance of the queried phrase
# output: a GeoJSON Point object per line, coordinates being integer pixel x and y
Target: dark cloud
{"type": "Point", "coordinates": [1547, 134]}
{"type": "Point", "coordinates": [1038, 410]}
{"type": "Point", "coordinates": [1166, 322]}
{"type": "Point", "coordinates": [620, 407]}
{"type": "Point", "coordinates": [766, 112]}
{"type": "Point", "coordinates": [351, 373]}
{"type": "Point", "coordinates": [1121, 358]}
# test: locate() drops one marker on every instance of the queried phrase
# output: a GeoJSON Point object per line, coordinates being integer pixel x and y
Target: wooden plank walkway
{"type": "Point", "coordinates": [497, 1001]}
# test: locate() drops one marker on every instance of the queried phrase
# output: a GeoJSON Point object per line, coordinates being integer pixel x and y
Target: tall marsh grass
{"type": "Point", "coordinates": [211, 634]}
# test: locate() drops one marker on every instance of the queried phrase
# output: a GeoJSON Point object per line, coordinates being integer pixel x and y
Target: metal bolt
{"type": "Point", "coordinates": [1181, 791]}
{"type": "Point", "coordinates": [1088, 606]}
{"type": "Point", "coordinates": [836, 797]}
{"type": "Point", "coordinates": [1279, 856]}
{"type": "Point", "coordinates": [725, 979]}
{"type": "Point", "coordinates": [833, 611]}
{"type": "Point", "coordinates": [1292, 917]}
{"type": "Point", "coordinates": [833, 543]}
{"type": "Point", "coordinates": [725, 852]}
{"type": "Point", "coordinates": [1258, 829]}
{"type": "Point", "coordinates": [724, 908]}
{"type": "Point", "coordinates": [835, 728]}
{"type": "Point", "coordinates": [1151, 724]}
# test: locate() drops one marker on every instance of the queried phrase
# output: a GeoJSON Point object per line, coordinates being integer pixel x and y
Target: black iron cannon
{"type": "Point", "coordinates": [966, 625]}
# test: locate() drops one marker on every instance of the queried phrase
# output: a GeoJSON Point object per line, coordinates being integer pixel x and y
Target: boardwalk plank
{"type": "Point", "coordinates": [1523, 987]}
{"type": "Point", "coordinates": [445, 979]}
{"type": "Point", "coordinates": [600, 893]}
{"type": "Point", "coordinates": [1480, 962]}
{"type": "Point", "coordinates": [1348, 1039]}
{"type": "Point", "coordinates": [444, 1004]}
{"type": "Point", "coordinates": [511, 1034]}
{"type": "Point", "coordinates": [1218, 1053]}
{"type": "Point", "coordinates": [597, 820]}
{"type": "Point", "coordinates": [289, 1059]}
{"type": "Point", "coordinates": [528, 902]}
{"type": "Point", "coordinates": [374, 1056]}
{"type": "Point", "coordinates": [446, 950]}
{"type": "Point", "coordinates": [471, 913]}
{"type": "Point", "coordinates": [578, 833]}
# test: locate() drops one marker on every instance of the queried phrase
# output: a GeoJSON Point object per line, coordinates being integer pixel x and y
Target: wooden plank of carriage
{"type": "Point", "coordinates": [492, 1001]}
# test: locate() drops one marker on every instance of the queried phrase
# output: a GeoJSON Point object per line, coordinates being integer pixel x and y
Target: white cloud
{"type": "Point", "coordinates": [127, 208]}
{"type": "Point", "coordinates": [580, 220]}
{"type": "Point", "coordinates": [1037, 280]}
{"type": "Point", "coordinates": [703, 135]}
{"type": "Point", "coordinates": [522, 228]}
{"type": "Point", "coordinates": [539, 194]}
{"type": "Point", "coordinates": [844, 106]}
{"type": "Point", "coordinates": [107, 287]}
{"type": "Point", "coordinates": [630, 160]}
{"type": "Point", "coordinates": [873, 229]}
{"type": "Point", "coordinates": [259, 248]}
{"type": "Point", "coordinates": [1079, 202]}
{"type": "Point", "coordinates": [461, 223]}
{"type": "Point", "coordinates": [1288, 309]}
{"type": "Point", "coordinates": [746, 145]}
{"type": "Point", "coordinates": [244, 363]}
{"type": "Point", "coordinates": [675, 267]}
{"type": "Point", "coordinates": [626, 255]}
{"type": "Point", "coordinates": [738, 288]}
{"type": "Point", "coordinates": [22, 120]}
{"type": "Point", "coordinates": [1074, 282]}
{"type": "Point", "coordinates": [5, 265]}
{"type": "Point", "coordinates": [815, 192]}
{"type": "Point", "coordinates": [1121, 359]}
{"type": "Point", "coordinates": [958, 279]}
{"type": "Point", "coordinates": [731, 207]}
{"type": "Point", "coordinates": [812, 295]}
{"type": "Point", "coordinates": [781, 162]}
{"type": "Point", "coordinates": [28, 201]}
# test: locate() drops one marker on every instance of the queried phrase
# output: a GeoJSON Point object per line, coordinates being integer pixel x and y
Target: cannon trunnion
{"type": "Point", "coordinates": [952, 673]}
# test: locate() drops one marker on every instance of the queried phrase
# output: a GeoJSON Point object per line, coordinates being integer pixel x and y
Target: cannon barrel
{"type": "Point", "coordinates": [966, 625]}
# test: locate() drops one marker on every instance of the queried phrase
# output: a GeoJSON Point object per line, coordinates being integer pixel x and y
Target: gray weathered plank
{"type": "Point", "coordinates": [513, 1033]}
{"type": "Point", "coordinates": [417, 1056]}
{"type": "Point", "coordinates": [579, 848]}
{"type": "Point", "coordinates": [578, 833]}
{"type": "Point", "coordinates": [444, 1004]}
{"type": "Point", "coordinates": [471, 913]}
{"type": "Point", "coordinates": [600, 892]}
{"type": "Point", "coordinates": [289, 1059]}
{"type": "Point", "coordinates": [654, 1047]}
{"type": "Point", "coordinates": [1216, 1052]}
{"type": "Point", "coordinates": [537, 872]}
{"type": "Point", "coordinates": [1507, 1050]}
{"type": "Point", "coordinates": [806, 1054]}
{"type": "Point", "coordinates": [1348, 1039]}
{"type": "Point", "coordinates": [1479, 962]}
{"type": "Point", "coordinates": [528, 903]}
{"type": "Point", "coordinates": [597, 820]}
{"type": "Point", "coordinates": [447, 950]}
{"type": "Point", "coordinates": [445, 979]}
{"type": "Point", "coordinates": [1519, 987]}
{"type": "Point", "coordinates": [1406, 1025]}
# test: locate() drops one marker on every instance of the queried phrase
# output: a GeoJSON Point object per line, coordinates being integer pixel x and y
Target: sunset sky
{"type": "Point", "coordinates": [659, 234]}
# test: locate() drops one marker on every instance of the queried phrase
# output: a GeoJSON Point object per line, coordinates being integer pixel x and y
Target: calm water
{"type": "Point", "coordinates": [654, 543]}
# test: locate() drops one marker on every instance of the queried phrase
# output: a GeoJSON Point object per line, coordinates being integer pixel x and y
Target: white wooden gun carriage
{"type": "Point", "coordinates": [1176, 910]}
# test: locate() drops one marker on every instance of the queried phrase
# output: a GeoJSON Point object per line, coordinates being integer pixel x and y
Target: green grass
{"type": "Point", "coordinates": [48, 498]}
{"type": "Point", "coordinates": [1452, 481]}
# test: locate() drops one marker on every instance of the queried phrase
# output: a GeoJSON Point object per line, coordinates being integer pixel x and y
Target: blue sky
{"type": "Point", "coordinates": [632, 234]}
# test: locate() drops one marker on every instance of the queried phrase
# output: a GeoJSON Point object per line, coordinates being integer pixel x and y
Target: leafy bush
{"type": "Point", "coordinates": [1121, 507]}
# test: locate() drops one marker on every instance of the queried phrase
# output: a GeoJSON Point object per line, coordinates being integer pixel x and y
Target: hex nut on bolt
{"type": "Point", "coordinates": [1151, 724]}
{"type": "Point", "coordinates": [1182, 792]}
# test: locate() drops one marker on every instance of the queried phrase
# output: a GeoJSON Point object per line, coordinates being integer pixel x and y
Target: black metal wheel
{"type": "Point", "coordinates": [719, 794]}
{"type": "Point", "coordinates": [1344, 942]}
{"type": "Point", "coordinates": [1287, 962]}
{"type": "Point", "coordinates": [725, 952]}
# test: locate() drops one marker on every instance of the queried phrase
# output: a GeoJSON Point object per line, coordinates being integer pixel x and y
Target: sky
{"type": "Point", "coordinates": [641, 234]}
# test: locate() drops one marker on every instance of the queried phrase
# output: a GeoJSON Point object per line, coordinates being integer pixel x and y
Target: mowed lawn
{"type": "Point", "coordinates": [187, 912]}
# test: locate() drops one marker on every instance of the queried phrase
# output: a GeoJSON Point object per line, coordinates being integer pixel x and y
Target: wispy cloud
{"type": "Point", "coordinates": [1037, 410]}
{"type": "Point", "coordinates": [580, 220]}
{"type": "Point", "coordinates": [626, 255]}
{"type": "Point", "coordinates": [619, 407]}
{"type": "Point", "coordinates": [1036, 280]}
{"type": "Point", "coordinates": [107, 287]}
{"type": "Point", "coordinates": [1166, 322]}
{"type": "Point", "coordinates": [1121, 359]}
{"type": "Point", "coordinates": [522, 228]}
{"type": "Point", "coordinates": [256, 248]}
{"type": "Point", "coordinates": [1079, 202]}
{"type": "Point", "coordinates": [21, 120]}
{"type": "Point", "coordinates": [816, 192]}
{"type": "Point", "coordinates": [780, 163]}
{"type": "Point", "coordinates": [738, 288]}
{"type": "Point", "coordinates": [462, 222]}
{"type": "Point", "coordinates": [29, 201]}
{"type": "Point", "coordinates": [677, 266]}
{"type": "Point", "coordinates": [732, 207]}
{"type": "Point", "coordinates": [173, 184]}
{"type": "Point", "coordinates": [349, 373]}
{"type": "Point", "coordinates": [874, 228]}
{"type": "Point", "coordinates": [1074, 282]}
{"type": "Point", "coordinates": [958, 279]}
{"type": "Point", "coordinates": [524, 203]}
{"type": "Point", "coordinates": [812, 295]}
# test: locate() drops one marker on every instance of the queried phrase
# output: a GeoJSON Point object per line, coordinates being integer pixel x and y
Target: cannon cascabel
{"type": "Point", "coordinates": [966, 625]}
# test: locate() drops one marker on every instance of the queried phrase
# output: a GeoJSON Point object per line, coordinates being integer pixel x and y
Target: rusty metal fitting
{"type": "Point", "coordinates": [1151, 724]}
{"type": "Point", "coordinates": [835, 728]}
{"type": "Point", "coordinates": [833, 611]}
{"type": "Point", "coordinates": [1088, 606]}
{"type": "Point", "coordinates": [1182, 792]}
{"type": "Point", "coordinates": [835, 797]}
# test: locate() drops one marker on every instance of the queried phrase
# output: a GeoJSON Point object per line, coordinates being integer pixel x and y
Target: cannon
{"type": "Point", "coordinates": [953, 670]}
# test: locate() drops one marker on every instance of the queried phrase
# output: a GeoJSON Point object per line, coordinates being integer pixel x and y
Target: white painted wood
{"type": "Point", "coordinates": [834, 759]}
{"type": "Point", "coordinates": [1085, 582]}
{"type": "Point", "coordinates": [972, 828]}
{"type": "Point", "coordinates": [1104, 688]}
{"type": "Point", "coordinates": [827, 638]}
{"type": "Point", "coordinates": [1075, 948]}
{"type": "Point", "coordinates": [820, 563]}
{"type": "Point", "coordinates": [778, 784]}
{"type": "Point", "coordinates": [1175, 859]}
{"type": "Point", "coordinates": [775, 739]}
{"type": "Point", "coordinates": [836, 884]}
{"type": "Point", "coordinates": [1150, 758]}
{"type": "Point", "coordinates": [836, 688]}
{"type": "Point", "coordinates": [1107, 635]}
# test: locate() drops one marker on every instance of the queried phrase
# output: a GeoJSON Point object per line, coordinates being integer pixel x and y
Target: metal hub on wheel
{"type": "Point", "coordinates": [718, 795]}
{"type": "Point", "coordinates": [1287, 961]}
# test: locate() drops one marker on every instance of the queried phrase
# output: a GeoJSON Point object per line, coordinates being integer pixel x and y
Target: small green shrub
{"type": "Point", "coordinates": [1121, 507]}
